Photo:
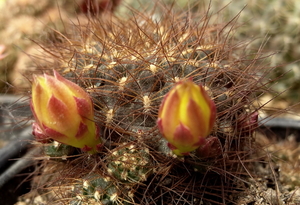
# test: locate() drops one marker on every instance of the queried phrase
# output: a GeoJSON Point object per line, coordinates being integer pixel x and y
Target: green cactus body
{"type": "Point", "coordinates": [128, 164]}
{"type": "Point", "coordinates": [95, 188]}
{"type": "Point", "coordinates": [58, 151]}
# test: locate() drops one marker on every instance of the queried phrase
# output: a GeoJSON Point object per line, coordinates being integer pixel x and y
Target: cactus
{"type": "Point", "coordinates": [128, 66]}
{"type": "Point", "coordinates": [58, 150]}
{"type": "Point", "coordinates": [128, 164]}
{"type": "Point", "coordinates": [95, 188]}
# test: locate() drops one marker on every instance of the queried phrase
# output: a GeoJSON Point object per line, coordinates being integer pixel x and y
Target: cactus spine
{"type": "Point", "coordinates": [128, 66]}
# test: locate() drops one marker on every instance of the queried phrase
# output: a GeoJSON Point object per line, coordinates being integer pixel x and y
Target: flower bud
{"type": "Point", "coordinates": [186, 117]}
{"type": "Point", "coordinates": [247, 123]}
{"type": "Point", "coordinates": [211, 148]}
{"type": "Point", "coordinates": [63, 112]}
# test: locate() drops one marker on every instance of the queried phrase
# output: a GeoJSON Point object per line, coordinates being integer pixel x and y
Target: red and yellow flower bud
{"type": "Point", "coordinates": [186, 117]}
{"type": "Point", "coordinates": [211, 148]}
{"type": "Point", "coordinates": [247, 123]}
{"type": "Point", "coordinates": [63, 112]}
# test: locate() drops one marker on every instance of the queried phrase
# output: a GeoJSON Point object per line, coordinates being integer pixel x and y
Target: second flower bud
{"type": "Point", "coordinates": [186, 117]}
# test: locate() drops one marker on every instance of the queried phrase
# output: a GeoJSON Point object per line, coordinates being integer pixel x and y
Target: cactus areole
{"type": "Point", "coordinates": [63, 112]}
{"type": "Point", "coordinates": [186, 117]}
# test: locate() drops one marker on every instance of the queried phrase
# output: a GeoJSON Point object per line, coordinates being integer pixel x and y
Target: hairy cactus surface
{"type": "Point", "coordinates": [127, 66]}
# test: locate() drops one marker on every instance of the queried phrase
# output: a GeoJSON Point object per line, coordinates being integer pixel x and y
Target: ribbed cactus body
{"type": "Point", "coordinates": [95, 188]}
{"type": "Point", "coordinates": [129, 164]}
{"type": "Point", "coordinates": [57, 150]}
{"type": "Point", "coordinates": [128, 66]}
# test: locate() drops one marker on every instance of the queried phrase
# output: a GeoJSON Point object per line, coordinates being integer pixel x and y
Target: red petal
{"type": "Point", "coordinates": [197, 124]}
{"type": "Point", "coordinates": [57, 110]}
{"type": "Point", "coordinates": [36, 88]}
{"type": "Point", "coordinates": [58, 76]}
{"type": "Point", "coordinates": [81, 130]}
{"type": "Point", "coordinates": [39, 134]}
{"type": "Point", "coordinates": [212, 106]}
{"type": "Point", "coordinates": [183, 136]}
{"type": "Point", "coordinates": [53, 134]}
{"type": "Point", "coordinates": [60, 89]}
{"type": "Point", "coordinates": [172, 147]}
{"type": "Point", "coordinates": [99, 147]}
{"type": "Point", "coordinates": [171, 105]}
{"type": "Point", "coordinates": [74, 88]}
{"type": "Point", "coordinates": [39, 98]}
{"type": "Point", "coordinates": [53, 84]}
{"type": "Point", "coordinates": [84, 108]}
{"type": "Point", "coordinates": [86, 148]}
{"type": "Point", "coordinates": [170, 113]}
{"type": "Point", "coordinates": [201, 141]}
{"type": "Point", "coordinates": [159, 124]}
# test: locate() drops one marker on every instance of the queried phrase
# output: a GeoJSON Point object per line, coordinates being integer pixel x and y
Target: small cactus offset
{"type": "Point", "coordinates": [128, 164]}
{"type": "Point", "coordinates": [93, 188]}
{"type": "Point", "coordinates": [58, 150]}
{"type": "Point", "coordinates": [173, 100]}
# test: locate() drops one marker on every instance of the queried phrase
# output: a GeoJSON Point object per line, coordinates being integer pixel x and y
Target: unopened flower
{"type": "Point", "coordinates": [211, 148]}
{"type": "Point", "coordinates": [186, 117]}
{"type": "Point", "coordinates": [63, 112]}
{"type": "Point", "coordinates": [247, 123]}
